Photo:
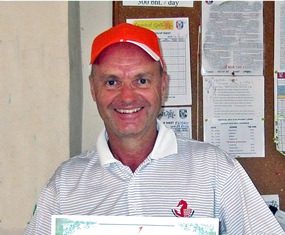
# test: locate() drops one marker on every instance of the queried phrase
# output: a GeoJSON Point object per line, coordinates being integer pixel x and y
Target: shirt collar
{"type": "Point", "coordinates": [165, 145]}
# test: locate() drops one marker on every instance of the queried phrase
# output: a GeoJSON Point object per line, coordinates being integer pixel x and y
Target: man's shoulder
{"type": "Point", "coordinates": [78, 163]}
{"type": "Point", "coordinates": [203, 150]}
{"type": "Point", "coordinates": [75, 169]}
{"type": "Point", "coordinates": [196, 144]}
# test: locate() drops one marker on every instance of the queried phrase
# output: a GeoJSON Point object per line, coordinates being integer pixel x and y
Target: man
{"type": "Point", "coordinates": [140, 168]}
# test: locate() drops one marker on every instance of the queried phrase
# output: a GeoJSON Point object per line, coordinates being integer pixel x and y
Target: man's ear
{"type": "Point", "coordinates": [92, 87]}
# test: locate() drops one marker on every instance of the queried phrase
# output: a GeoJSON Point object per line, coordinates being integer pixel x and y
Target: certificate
{"type": "Point", "coordinates": [131, 225]}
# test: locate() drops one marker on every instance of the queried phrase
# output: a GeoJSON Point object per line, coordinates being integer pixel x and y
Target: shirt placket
{"type": "Point", "coordinates": [134, 197]}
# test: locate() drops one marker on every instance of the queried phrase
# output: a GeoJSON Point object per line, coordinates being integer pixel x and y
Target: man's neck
{"type": "Point", "coordinates": [132, 151]}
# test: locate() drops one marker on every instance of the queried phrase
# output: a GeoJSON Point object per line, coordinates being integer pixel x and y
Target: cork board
{"type": "Point", "coordinates": [268, 174]}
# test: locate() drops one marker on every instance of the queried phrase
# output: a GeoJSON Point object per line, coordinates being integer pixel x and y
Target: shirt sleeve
{"type": "Point", "coordinates": [47, 206]}
{"type": "Point", "coordinates": [243, 210]}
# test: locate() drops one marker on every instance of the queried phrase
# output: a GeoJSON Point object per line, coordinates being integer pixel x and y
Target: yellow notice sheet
{"type": "Point", "coordinates": [175, 44]}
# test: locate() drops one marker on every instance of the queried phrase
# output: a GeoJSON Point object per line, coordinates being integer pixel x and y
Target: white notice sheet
{"type": "Point", "coordinates": [175, 44]}
{"type": "Point", "coordinates": [279, 53]}
{"type": "Point", "coordinates": [158, 3]}
{"type": "Point", "coordinates": [279, 76]}
{"type": "Point", "coordinates": [280, 114]}
{"type": "Point", "coordinates": [178, 119]}
{"type": "Point", "coordinates": [232, 38]}
{"type": "Point", "coordinates": [233, 112]}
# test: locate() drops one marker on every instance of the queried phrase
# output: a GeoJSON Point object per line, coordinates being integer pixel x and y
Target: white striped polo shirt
{"type": "Point", "coordinates": [179, 178]}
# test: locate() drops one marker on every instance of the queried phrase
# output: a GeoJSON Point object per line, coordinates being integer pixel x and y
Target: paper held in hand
{"type": "Point", "coordinates": [131, 225]}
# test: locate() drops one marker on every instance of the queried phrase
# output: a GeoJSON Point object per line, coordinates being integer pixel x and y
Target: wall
{"type": "Point", "coordinates": [75, 79]}
{"type": "Point", "coordinates": [95, 17]}
{"type": "Point", "coordinates": [35, 105]}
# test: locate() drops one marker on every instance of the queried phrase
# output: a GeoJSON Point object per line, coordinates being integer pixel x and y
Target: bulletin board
{"type": "Point", "coordinates": [268, 173]}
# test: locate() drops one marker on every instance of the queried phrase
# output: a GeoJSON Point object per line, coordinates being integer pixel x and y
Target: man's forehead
{"type": "Point", "coordinates": [124, 50]}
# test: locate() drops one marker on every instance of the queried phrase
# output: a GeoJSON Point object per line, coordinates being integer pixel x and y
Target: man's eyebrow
{"type": "Point", "coordinates": [147, 74]}
{"type": "Point", "coordinates": [108, 77]}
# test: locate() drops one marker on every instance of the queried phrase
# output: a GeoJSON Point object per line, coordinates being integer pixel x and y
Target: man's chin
{"type": "Point", "coordinates": [129, 131]}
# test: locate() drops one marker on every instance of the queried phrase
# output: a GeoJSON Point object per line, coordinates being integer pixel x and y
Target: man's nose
{"type": "Point", "coordinates": [127, 93]}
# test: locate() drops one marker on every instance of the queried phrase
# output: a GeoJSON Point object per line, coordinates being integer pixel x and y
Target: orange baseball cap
{"type": "Point", "coordinates": [125, 32]}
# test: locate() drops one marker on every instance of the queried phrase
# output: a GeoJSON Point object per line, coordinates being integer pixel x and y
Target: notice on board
{"type": "Point", "coordinates": [158, 3]}
{"type": "Point", "coordinates": [174, 37]}
{"type": "Point", "coordinates": [233, 114]}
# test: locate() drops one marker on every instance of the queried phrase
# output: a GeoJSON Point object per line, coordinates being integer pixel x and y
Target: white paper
{"type": "Point", "coordinates": [271, 200]}
{"type": "Point", "coordinates": [279, 53]}
{"type": "Point", "coordinates": [279, 76]}
{"type": "Point", "coordinates": [232, 38]}
{"type": "Point", "coordinates": [175, 44]}
{"type": "Point", "coordinates": [280, 216]}
{"type": "Point", "coordinates": [280, 114]}
{"type": "Point", "coordinates": [131, 225]}
{"type": "Point", "coordinates": [233, 111]}
{"type": "Point", "coordinates": [178, 119]}
{"type": "Point", "coordinates": [158, 3]}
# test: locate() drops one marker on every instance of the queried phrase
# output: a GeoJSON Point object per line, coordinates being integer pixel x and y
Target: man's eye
{"type": "Point", "coordinates": [142, 81]}
{"type": "Point", "coordinates": [111, 83]}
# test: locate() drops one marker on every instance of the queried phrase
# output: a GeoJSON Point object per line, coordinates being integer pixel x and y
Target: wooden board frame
{"type": "Point", "coordinates": [268, 174]}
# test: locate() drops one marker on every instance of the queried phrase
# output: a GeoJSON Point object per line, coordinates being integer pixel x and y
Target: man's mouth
{"type": "Point", "coordinates": [128, 111]}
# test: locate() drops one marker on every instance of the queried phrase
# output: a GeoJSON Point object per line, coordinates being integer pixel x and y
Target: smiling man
{"type": "Point", "coordinates": [139, 167]}
{"type": "Point", "coordinates": [128, 87]}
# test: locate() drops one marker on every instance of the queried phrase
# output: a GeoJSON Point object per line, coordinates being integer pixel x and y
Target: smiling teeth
{"type": "Point", "coordinates": [128, 111]}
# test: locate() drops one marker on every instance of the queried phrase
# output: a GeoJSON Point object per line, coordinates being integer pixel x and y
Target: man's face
{"type": "Point", "coordinates": [128, 88]}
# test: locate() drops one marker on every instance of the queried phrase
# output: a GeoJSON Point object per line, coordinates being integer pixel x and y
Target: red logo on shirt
{"type": "Point", "coordinates": [182, 210]}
